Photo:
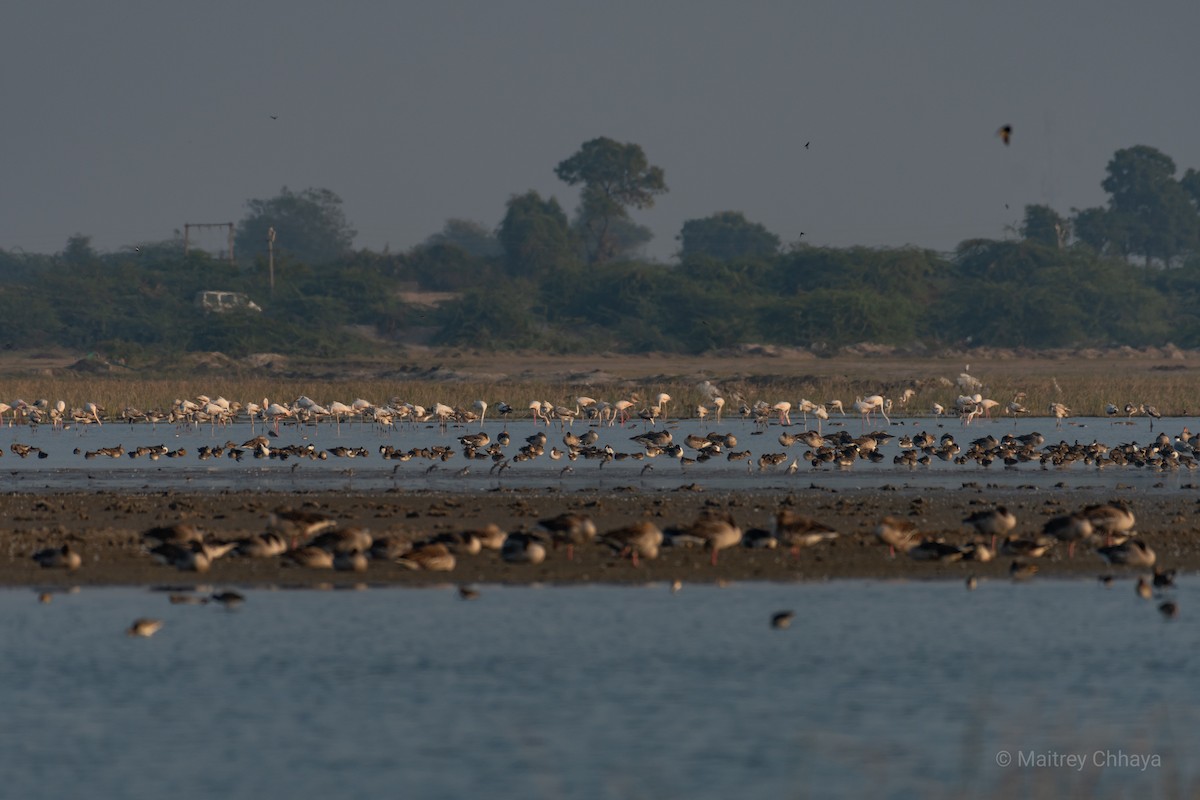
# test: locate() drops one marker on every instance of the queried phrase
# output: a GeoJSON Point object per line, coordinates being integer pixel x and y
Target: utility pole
{"type": "Point", "coordinates": [271, 257]}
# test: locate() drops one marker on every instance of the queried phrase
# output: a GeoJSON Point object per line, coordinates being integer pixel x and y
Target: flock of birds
{"type": "Point", "coordinates": [317, 541]}
{"type": "Point", "coordinates": [1108, 528]}
{"type": "Point", "coordinates": [823, 448]}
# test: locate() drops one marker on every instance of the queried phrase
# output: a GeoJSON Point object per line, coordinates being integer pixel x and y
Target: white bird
{"type": "Point", "coordinates": [661, 402]}
{"type": "Point", "coordinates": [1059, 412]}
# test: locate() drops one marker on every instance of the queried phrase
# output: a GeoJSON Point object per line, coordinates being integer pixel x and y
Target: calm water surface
{"type": "Point", "coordinates": [882, 689]}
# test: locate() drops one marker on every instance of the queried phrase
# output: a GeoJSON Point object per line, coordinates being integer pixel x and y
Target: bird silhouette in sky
{"type": "Point", "coordinates": [806, 144]}
{"type": "Point", "coordinates": [1005, 134]}
{"type": "Point", "coordinates": [275, 117]}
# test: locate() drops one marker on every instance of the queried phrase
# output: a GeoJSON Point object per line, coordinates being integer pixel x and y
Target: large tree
{"type": "Point", "coordinates": [1148, 206]}
{"type": "Point", "coordinates": [536, 236]}
{"type": "Point", "coordinates": [614, 176]}
{"type": "Point", "coordinates": [1045, 226]}
{"type": "Point", "coordinates": [310, 226]}
{"type": "Point", "coordinates": [726, 235]}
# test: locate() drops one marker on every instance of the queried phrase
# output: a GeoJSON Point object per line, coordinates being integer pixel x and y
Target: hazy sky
{"type": "Point", "coordinates": [124, 120]}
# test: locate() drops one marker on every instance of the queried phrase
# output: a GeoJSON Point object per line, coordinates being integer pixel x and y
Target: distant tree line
{"type": "Point", "coordinates": [1125, 273]}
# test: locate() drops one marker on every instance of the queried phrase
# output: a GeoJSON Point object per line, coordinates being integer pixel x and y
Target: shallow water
{"type": "Point", "coordinates": [884, 689]}
{"type": "Point", "coordinates": [63, 469]}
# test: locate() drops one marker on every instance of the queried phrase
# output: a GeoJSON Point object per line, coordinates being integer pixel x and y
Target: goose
{"type": "Point", "coordinates": [58, 558]}
{"type": "Point", "coordinates": [993, 522]}
{"type": "Point", "coordinates": [523, 548]}
{"type": "Point", "coordinates": [1133, 553]}
{"type": "Point", "coordinates": [935, 550]}
{"type": "Point", "coordinates": [642, 538]}
{"type": "Point", "coordinates": [570, 528]}
{"type": "Point", "coordinates": [434, 557]}
{"type": "Point", "coordinates": [1110, 519]}
{"type": "Point", "coordinates": [896, 533]}
{"type": "Point", "coordinates": [1069, 528]}
{"type": "Point", "coordinates": [796, 530]}
{"type": "Point", "coordinates": [311, 557]}
{"type": "Point", "coordinates": [719, 532]}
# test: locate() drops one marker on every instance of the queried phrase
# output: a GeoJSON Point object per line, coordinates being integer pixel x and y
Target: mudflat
{"type": "Point", "coordinates": [107, 530]}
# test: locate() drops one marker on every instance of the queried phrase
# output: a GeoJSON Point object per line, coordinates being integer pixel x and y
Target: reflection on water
{"type": "Point", "coordinates": [601, 692]}
{"type": "Point", "coordinates": [63, 468]}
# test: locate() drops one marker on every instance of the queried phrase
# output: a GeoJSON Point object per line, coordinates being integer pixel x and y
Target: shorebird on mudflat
{"type": "Point", "coordinates": [897, 534]}
{"type": "Point", "coordinates": [1133, 553]}
{"type": "Point", "coordinates": [642, 539]}
{"type": "Point", "coordinates": [523, 548]}
{"type": "Point", "coordinates": [570, 528]}
{"type": "Point", "coordinates": [795, 531]}
{"type": "Point", "coordinates": [993, 522]}
{"type": "Point", "coordinates": [434, 557]}
{"type": "Point", "coordinates": [58, 558]}
{"type": "Point", "coordinates": [1109, 519]}
{"type": "Point", "coordinates": [1070, 528]}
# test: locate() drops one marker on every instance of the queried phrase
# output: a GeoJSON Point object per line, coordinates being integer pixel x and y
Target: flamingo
{"type": "Point", "coordinates": [338, 410]}
{"type": "Point", "coordinates": [582, 403]}
{"type": "Point", "coordinates": [622, 408]}
{"type": "Point", "coordinates": [443, 413]}
{"type": "Point", "coordinates": [482, 407]}
{"type": "Point", "coordinates": [807, 407]}
{"type": "Point", "coordinates": [719, 403]}
{"type": "Point", "coordinates": [361, 406]}
{"type": "Point", "coordinates": [274, 412]}
{"type": "Point", "coordinates": [1059, 411]}
{"type": "Point", "coordinates": [877, 401]}
{"type": "Point", "coordinates": [784, 408]}
{"type": "Point", "coordinates": [661, 401]}
{"type": "Point", "coordinates": [821, 414]}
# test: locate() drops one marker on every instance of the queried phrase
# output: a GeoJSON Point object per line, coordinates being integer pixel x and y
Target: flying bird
{"type": "Point", "coordinates": [806, 144]}
{"type": "Point", "coordinates": [1005, 134]}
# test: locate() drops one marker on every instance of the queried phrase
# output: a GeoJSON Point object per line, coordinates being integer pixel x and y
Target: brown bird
{"type": "Point", "coordinates": [1022, 572]}
{"type": "Point", "coordinates": [58, 558]}
{"type": "Point", "coordinates": [719, 532]}
{"type": "Point", "coordinates": [1169, 609]}
{"type": "Point", "coordinates": [434, 557]}
{"type": "Point", "coordinates": [796, 530]}
{"type": "Point", "coordinates": [994, 522]}
{"type": "Point", "coordinates": [1005, 134]}
{"type": "Point", "coordinates": [897, 534]}
{"type": "Point", "coordinates": [642, 539]}
{"type": "Point", "coordinates": [144, 627]}
{"type": "Point", "coordinates": [782, 619]}
{"type": "Point", "coordinates": [570, 528]}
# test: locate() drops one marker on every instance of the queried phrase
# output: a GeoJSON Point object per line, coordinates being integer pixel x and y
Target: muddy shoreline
{"type": "Point", "coordinates": [106, 528]}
